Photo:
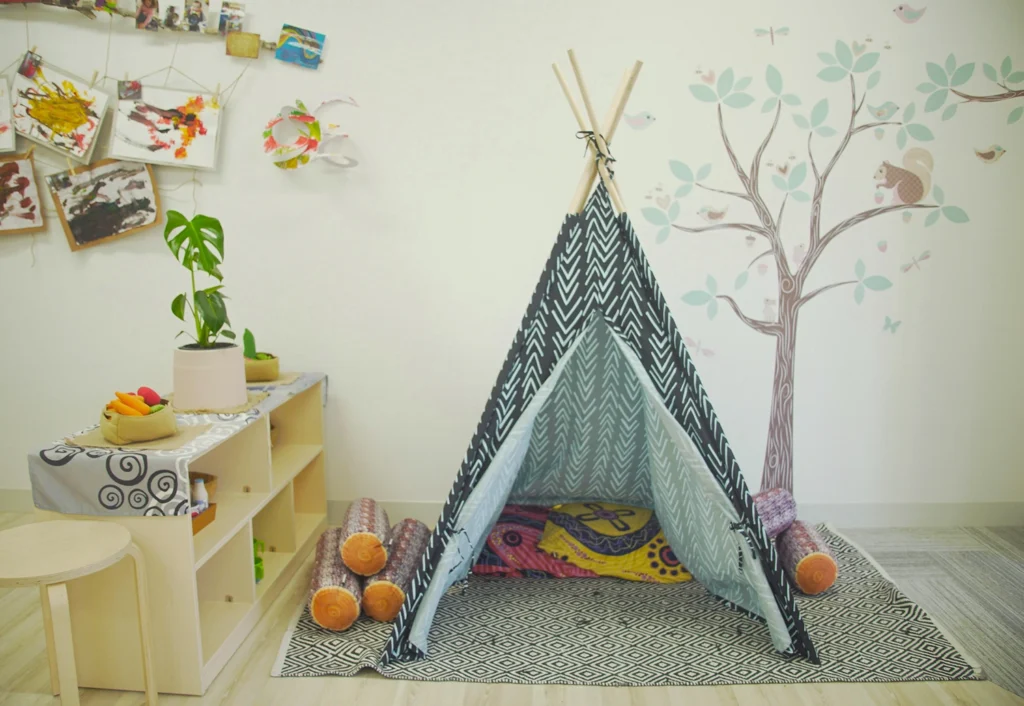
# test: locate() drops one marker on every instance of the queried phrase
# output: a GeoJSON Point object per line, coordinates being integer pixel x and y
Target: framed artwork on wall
{"type": "Point", "coordinates": [105, 201]}
{"type": "Point", "coordinates": [20, 210]}
{"type": "Point", "coordinates": [165, 126]}
{"type": "Point", "coordinates": [56, 109]}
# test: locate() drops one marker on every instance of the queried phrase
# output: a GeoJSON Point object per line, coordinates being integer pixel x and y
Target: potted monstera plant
{"type": "Point", "coordinates": [209, 373]}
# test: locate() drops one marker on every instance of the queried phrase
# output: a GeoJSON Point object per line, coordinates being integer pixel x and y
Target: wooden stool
{"type": "Point", "coordinates": [48, 554]}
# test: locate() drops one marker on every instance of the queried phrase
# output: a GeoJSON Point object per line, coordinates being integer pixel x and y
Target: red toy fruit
{"type": "Point", "coordinates": [149, 396]}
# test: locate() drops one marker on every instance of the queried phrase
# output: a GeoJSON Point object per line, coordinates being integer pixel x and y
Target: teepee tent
{"type": "Point", "coordinates": [598, 399]}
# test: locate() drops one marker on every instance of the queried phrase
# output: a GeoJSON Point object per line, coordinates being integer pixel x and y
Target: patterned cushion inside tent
{"type": "Point", "coordinates": [612, 540]}
{"type": "Point", "coordinates": [511, 548]}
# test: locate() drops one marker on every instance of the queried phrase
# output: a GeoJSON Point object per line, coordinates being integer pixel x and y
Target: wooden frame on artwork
{"type": "Point", "coordinates": [26, 156]}
{"type": "Point", "coordinates": [66, 226]}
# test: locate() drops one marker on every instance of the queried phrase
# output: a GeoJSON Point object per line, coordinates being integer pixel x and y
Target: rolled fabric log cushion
{"type": "Point", "coordinates": [777, 510]}
{"type": "Point", "coordinates": [806, 558]}
{"type": "Point", "coordinates": [384, 593]}
{"type": "Point", "coordinates": [334, 591]}
{"type": "Point", "coordinates": [365, 536]}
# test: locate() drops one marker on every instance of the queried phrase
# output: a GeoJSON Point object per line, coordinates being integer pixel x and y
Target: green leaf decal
{"type": "Point", "coordinates": [725, 83]}
{"type": "Point", "coordinates": [1015, 77]}
{"type": "Point", "coordinates": [955, 214]}
{"type": "Point", "coordinates": [1006, 67]}
{"type": "Point", "coordinates": [937, 74]}
{"type": "Point", "coordinates": [791, 99]}
{"type": "Point", "coordinates": [662, 235]}
{"type": "Point", "coordinates": [990, 72]}
{"type": "Point", "coordinates": [873, 79]}
{"type": "Point", "coordinates": [655, 216]}
{"type": "Point", "coordinates": [711, 284]}
{"type": "Point", "coordinates": [738, 100]}
{"type": "Point", "coordinates": [859, 269]}
{"type": "Point", "coordinates": [926, 87]}
{"type": "Point", "coordinates": [938, 194]}
{"type": "Point", "coordinates": [935, 101]}
{"type": "Point", "coordinates": [742, 83]}
{"type": "Point", "coordinates": [696, 297]}
{"type": "Point", "coordinates": [683, 190]}
{"type": "Point", "coordinates": [908, 112]}
{"type": "Point", "coordinates": [681, 171]}
{"type": "Point", "coordinates": [819, 112]}
{"type": "Point", "coordinates": [920, 132]}
{"type": "Point", "coordinates": [950, 64]}
{"type": "Point", "coordinates": [932, 218]}
{"type": "Point", "coordinates": [832, 74]}
{"type": "Point", "coordinates": [866, 62]}
{"type": "Point", "coordinates": [712, 308]}
{"type": "Point", "coordinates": [797, 176]}
{"type": "Point", "coordinates": [704, 172]}
{"type": "Point", "coordinates": [858, 293]}
{"type": "Point", "coordinates": [800, 196]}
{"type": "Point", "coordinates": [769, 105]}
{"type": "Point", "coordinates": [1014, 115]}
{"type": "Point", "coordinates": [827, 58]}
{"type": "Point", "coordinates": [741, 280]}
{"type": "Point", "coordinates": [774, 79]}
{"type": "Point", "coordinates": [780, 182]}
{"type": "Point", "coordinates": [843, 54]}
{"type": "Point", "coordinates": [962, 75]}
{"type": "Point", "coordinates": [949, 112]}
{"type": "Point", "coordinates": [825, 131]}
{"type": "Point", "coordinates": [703, 93]}
{"type": "Point", "coordinates": [801, 122]}
{"type": "Point", "coordinates": [673, 211]}
{"type": "Point", "coordinates": [877, 283]}
{"type": "Point", "coordinates": [901, 138]}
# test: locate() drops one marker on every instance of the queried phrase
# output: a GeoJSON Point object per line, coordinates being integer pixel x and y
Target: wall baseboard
{"type": "Point", "coordinates": [841, 515]}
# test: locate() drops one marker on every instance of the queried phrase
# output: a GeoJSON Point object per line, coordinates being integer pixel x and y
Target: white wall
{"type": "Point", "coordinates": [405, 279]}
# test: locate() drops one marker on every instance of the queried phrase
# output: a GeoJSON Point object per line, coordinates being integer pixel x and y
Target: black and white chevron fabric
{"type": "Point", "coordinates": [597, 268]}
{"type": "Point", "coordinates": [611, 632]}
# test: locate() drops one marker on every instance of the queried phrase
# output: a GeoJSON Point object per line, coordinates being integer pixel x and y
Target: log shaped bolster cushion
{"type": "Point", "coordinates": [334, 591]}
{"type": "Point", "coordinates": [365, 537]}
{"type": "Point", "coordinates": [807, 559]}
{"type": "Point", "coordinates": [384, 593]}
{"type": "Point", "coordinates": [777, 510]}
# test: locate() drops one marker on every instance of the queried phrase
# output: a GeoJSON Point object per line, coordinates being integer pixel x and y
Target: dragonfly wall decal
{"type": "Point", "coordinates": [915, 262]}
{"type": "Point", "coordinates": [772, 32]}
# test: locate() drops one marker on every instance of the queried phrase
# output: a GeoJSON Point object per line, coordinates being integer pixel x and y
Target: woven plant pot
{"type": "Point", "coordinates": [122, 429]}
{"type": "Point", "coordinates": [262, 370]}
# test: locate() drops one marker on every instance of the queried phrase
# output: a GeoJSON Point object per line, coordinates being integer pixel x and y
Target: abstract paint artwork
{"type": "Point", "coordinates": [55, 109]}
{"type": "Point", "coordinates": [243, 44]}
{"type": "Point", "coordinates": [104, 201]}
{"type": "Point", "coordinates": [164, 126]}
{"type": "Point", "coordinates": [20, 211]}
{"type": "Point", "coordinates": [300, 46]}
{"type": "Point", "coordinates": [6, 128]}
{"type": "Point", "coordinates": [296, 136]}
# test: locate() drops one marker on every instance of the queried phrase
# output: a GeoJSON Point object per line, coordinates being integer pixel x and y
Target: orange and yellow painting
{"type": "Point", "coordinates": [164, 126]}
{"type": "Point", "coordinates": [55, 109]}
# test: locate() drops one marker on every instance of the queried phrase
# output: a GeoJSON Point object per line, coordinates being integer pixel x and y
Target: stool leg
{"type": "Point", "coordinates": [51, 653]}
{"type": "Point", "coordinates": [142, 602]}
{"type": "Point", "coordinates": [60, 614]}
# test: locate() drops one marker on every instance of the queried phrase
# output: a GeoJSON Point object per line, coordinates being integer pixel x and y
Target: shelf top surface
{"type": "Point", "coordinates": [132, 482]}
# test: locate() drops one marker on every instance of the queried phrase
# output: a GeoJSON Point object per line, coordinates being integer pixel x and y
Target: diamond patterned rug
{"type": "Point", "coordinates": [620, 633]}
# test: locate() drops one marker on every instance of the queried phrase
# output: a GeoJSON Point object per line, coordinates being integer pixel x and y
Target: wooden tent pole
{"type": "Point", "coordinates": [601, 144]}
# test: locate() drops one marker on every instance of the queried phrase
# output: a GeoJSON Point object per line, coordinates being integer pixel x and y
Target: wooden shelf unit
{"type": "Point", "coordinates": [204, 599]}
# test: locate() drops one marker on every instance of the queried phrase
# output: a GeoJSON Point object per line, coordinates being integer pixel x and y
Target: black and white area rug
{"type": "Point", "coordinates": [621, 633]}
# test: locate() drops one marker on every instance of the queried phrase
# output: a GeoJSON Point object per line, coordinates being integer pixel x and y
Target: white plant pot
{"type": "Point", "coordinates": [210, 378]}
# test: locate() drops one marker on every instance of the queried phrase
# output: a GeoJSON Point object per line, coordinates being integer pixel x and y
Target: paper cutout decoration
{"type": "Point", "coordinates": [164, 126]}
{"type": "Point", "coordinates": [296, 136]}
{"type": "Point", "coordinates": [105, 201]}
{"type": "Point", "coordinates": [243, 44]}
{"type": "Point", "coordinates": [6, 127]}
{"type": "Point", "coordinates": [20, 210]}
{"type": "Point", "coordinates": [300, 46]}
{"type": "Point", "coordinates": [55, 109]}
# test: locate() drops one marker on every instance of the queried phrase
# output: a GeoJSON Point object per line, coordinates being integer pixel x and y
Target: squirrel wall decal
{"type": "Point", "coordinates": [913, 181]}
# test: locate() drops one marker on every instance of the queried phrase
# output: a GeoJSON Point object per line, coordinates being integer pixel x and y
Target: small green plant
{"type": "Point", "coordinates": [257, 559]}
{"type": "Point", "coordinates": [198, 244]}
{"type": "Point", "coordinates": [249, 348]}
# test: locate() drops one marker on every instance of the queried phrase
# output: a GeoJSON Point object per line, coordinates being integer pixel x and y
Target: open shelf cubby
{"type": "Point", "coordinates": [204, 599]}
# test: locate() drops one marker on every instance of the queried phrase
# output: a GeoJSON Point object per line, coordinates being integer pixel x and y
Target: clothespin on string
{"type": "Point", "coordinates": [216, 94]}
{"type": "Point", "coordinates": [92, 81]}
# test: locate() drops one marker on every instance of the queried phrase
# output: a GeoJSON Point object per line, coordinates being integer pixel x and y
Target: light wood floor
{"type": "Point", "coordinates": [921, 561]}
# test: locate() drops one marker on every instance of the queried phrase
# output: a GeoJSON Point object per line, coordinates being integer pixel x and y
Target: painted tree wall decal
{"type": "Point", "coordinates": [947, 81]}
{"type": "Point", "coordinates": [806, 181]}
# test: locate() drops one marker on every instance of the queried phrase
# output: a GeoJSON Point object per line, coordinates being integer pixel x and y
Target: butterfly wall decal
{"type": "Point", "coordinates": [891, 325]}
{"type": "Point", "coordinates": [695, 347]}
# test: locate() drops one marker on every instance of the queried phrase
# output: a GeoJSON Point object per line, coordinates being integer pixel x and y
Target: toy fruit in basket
{"type": "Point", "coordinates": [259, 367]}
{"type": "Point", "coordinates": [129, 418]}
{"type": "Point", "coordinates": [149, 396]}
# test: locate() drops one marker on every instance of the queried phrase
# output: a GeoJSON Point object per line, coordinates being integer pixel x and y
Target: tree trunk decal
{"type": "Point", "coordinates": [794, 267]}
